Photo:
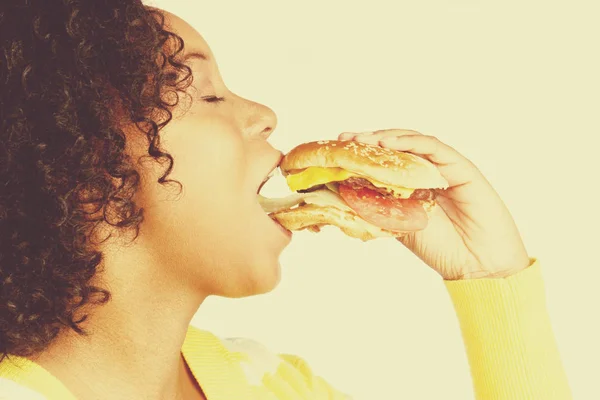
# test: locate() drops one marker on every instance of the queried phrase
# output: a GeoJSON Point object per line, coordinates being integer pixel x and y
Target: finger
{"type": "Point", "coordinates": [426, 146]}
{"type": "Point", "coordinates": [395, 132]}
{"type": "Point", "coordinates": [384, 133]}
{"type": "Point", "coordinates": [346, 136]}
{"type": "Point", "coordinates": [380, 133]}
{"type": "Point", "coordinates": [352, 135]}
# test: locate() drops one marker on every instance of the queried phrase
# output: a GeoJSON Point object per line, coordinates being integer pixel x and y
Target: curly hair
{"type": "Point", "coordinates": [71, 71]}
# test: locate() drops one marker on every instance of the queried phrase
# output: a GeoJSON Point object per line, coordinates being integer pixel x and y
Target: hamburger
{"type": "Point", "coordinates": [365, 190]}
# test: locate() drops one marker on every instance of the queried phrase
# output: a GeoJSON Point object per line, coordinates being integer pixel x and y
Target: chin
{"type": "Point", "coordinates": [265, 275]}
{"type": "Point", "coordinates": [254, 270]}
{"type": "Point", "coordinates": [268, 281]}
{"type": "Point", "coordinates": [260, 279]}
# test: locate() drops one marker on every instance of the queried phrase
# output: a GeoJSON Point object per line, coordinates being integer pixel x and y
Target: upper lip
{"type": "Point", "coordinates": [271, 172]}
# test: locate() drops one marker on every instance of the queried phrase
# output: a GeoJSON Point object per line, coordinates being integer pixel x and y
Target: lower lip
{"type": "Point", "coordinates": [287, 232]}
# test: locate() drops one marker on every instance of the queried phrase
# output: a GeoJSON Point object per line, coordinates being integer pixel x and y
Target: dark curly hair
{"type": "Point", "coordinates": [71, 72]}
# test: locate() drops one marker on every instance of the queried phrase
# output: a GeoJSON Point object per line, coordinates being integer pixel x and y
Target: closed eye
{"type": "Point", "coordinates": [213, 99]}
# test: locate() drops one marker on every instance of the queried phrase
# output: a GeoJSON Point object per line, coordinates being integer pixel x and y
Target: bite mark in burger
{"type": "Point", "coordinates": [365, 190]}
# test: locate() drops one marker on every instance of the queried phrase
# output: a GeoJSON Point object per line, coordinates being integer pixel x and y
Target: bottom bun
{"type": "Point", "coordinates": [312, 217]}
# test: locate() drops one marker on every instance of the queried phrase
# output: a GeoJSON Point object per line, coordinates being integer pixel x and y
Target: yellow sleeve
{"type": "Point", "coordinates": [319, 388]}
{"type": "Point", "coordinates": [508, 337]}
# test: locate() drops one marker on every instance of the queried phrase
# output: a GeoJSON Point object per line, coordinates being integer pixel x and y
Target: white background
{"type": "Point", "coordinates": [513, 85]}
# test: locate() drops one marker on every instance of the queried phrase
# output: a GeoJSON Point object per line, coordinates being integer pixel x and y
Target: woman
{"type": "Point", "coordinates": [89, 310]}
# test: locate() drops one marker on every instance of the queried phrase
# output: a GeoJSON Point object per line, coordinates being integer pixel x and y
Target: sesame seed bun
{"type": "Point", "coordinates": [385, 165]}
{"type": "Point", "coordinates": [313, 209]}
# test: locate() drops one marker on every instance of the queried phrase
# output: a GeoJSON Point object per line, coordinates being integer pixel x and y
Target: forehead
{"type": "Point", "coordinates": [193, 40]}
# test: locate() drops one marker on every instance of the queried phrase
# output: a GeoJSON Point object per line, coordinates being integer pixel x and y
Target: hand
{"type": "Point", "coordinates": [471, 234]}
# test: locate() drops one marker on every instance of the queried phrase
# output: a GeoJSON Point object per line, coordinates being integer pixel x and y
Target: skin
{"type": "Point", "coordinates": [216, 240]}
{"type": "Point", "coordinates": [472, 234]}
{"type": "Point", "coordinates": [213, 239]}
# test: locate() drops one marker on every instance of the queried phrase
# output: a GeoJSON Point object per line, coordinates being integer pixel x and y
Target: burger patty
{"type": "Point", "coordinates": [418, 194]}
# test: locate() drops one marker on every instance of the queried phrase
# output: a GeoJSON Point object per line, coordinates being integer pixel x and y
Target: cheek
{"type": "Point", "coordinates": [214, 231]}
{"type": "Point", "coordinates": [210, 162]}
{"type": "Point", "coordinates": [209, 158]}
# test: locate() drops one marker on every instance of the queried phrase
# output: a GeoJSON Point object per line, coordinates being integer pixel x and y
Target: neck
{"type": "Point", "coordinates": [134, 347]}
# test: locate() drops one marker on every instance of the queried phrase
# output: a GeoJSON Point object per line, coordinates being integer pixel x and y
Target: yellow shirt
{"type": "Point", "coordinates": [505, 325]}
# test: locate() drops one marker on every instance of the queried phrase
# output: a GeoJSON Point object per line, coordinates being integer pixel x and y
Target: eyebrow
{"type": "Point", "coordinates": [195, 55]}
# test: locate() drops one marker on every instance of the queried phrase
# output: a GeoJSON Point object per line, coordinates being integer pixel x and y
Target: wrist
{"type": "Point", "coordinates": [492, 275]}
{"type": "Point", "coordinates": [495, 273]}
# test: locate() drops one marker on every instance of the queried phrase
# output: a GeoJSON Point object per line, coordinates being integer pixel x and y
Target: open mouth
{"type": "Point", "coordinates": [271, 174]}
{"type": "Point", "coordinates": [271, 205]}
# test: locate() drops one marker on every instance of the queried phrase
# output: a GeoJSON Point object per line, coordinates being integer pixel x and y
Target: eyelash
{"type": "Point", "coordinates": [213, 99]}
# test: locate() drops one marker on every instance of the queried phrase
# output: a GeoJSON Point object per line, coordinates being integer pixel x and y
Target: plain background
{"type": "Point", "coordinates": [512, 85]}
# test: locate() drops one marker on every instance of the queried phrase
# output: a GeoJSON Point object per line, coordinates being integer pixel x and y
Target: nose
{"type": "Point", "coordinates": [261, 120]}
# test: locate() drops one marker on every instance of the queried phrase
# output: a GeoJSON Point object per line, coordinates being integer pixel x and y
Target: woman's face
{"type": "Point", "coordinates": [214, 236]}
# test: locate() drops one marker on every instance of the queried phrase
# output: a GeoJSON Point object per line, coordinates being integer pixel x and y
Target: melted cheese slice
{"type": "Point", "coordinates": [313, 176]}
